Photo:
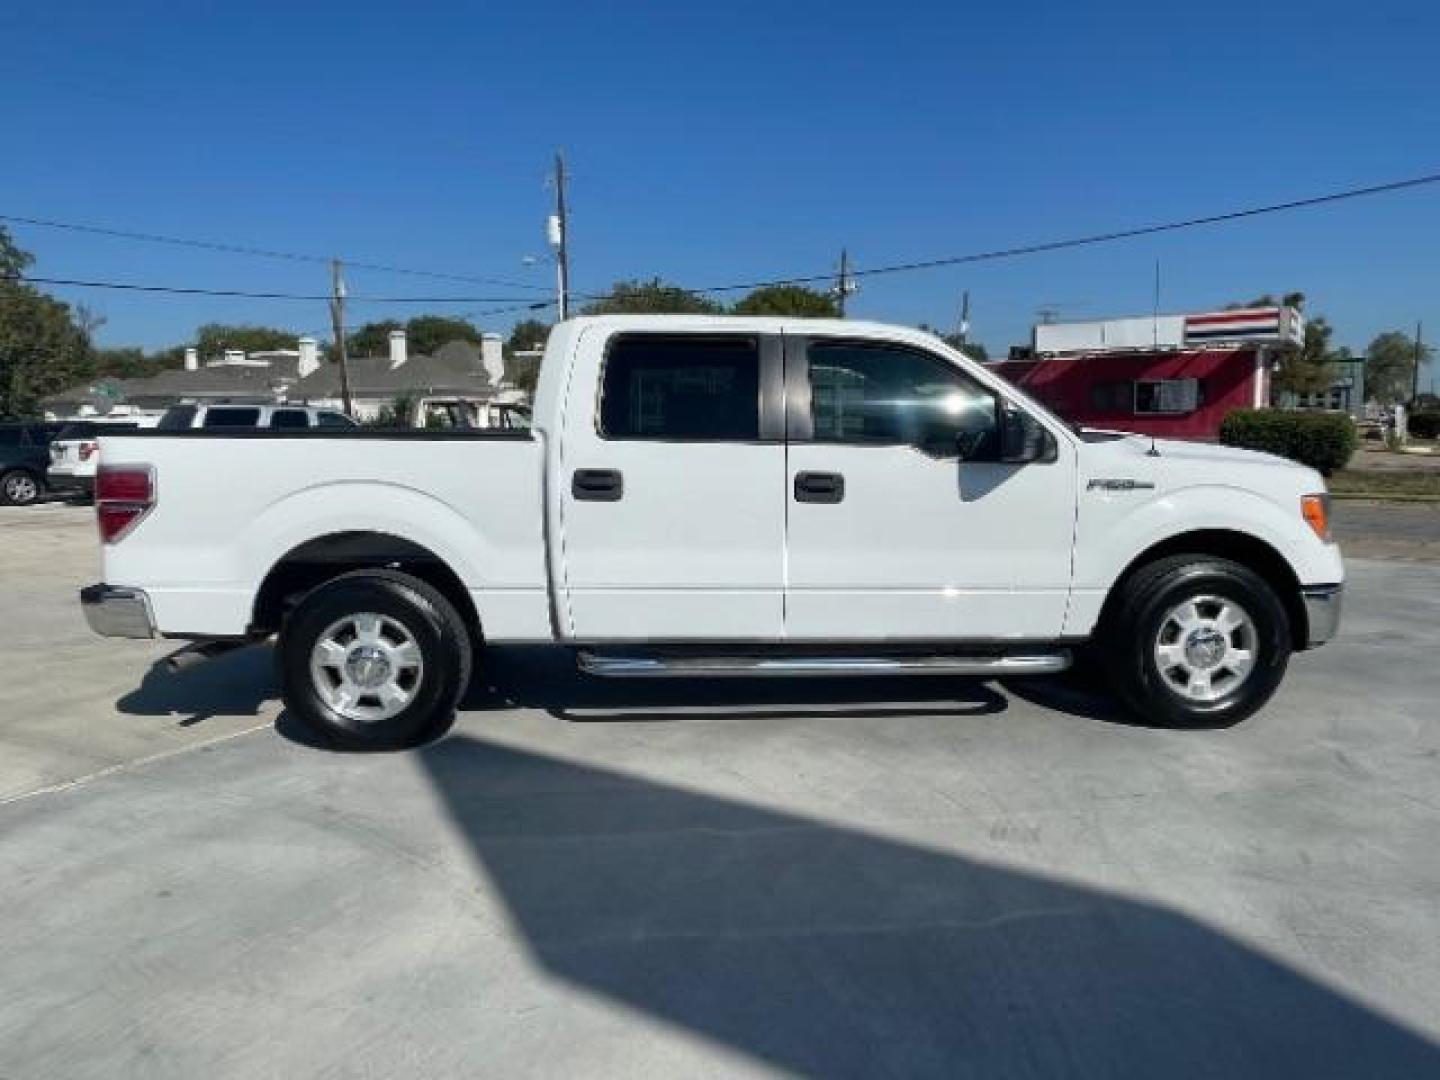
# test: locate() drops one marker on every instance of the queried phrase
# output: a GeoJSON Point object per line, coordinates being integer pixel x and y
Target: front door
{"type": "Point", "coordinates": [890, 536]}
{"type": "Point", "coordinates": [673, 502]}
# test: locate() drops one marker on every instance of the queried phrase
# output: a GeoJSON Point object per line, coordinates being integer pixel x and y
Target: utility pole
{"type": "Point", "coordinates": [337, 321]}
{"type": "Point", "coordinates": [962, 330]}
{"type": "Point", "coordinates": [559, 229]}
{"type": "Point", "coordinates": [1419, 355]}
{"type": "Point", "coordinates": [844, 286]}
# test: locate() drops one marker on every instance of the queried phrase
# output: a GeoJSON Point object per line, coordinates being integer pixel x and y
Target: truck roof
{"type": "Point", "coordinates": [753, 323]}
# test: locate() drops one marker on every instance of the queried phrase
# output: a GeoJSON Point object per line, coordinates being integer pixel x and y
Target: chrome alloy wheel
{"type": "Point", "coordinates": [366, 666]}
{"type": "Point", "coordinates": [21, 489]}
{"type": "Point", "coordinates": [1206, 647]}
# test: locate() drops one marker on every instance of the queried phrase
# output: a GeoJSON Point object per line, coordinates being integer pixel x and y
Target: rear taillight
{"type": "Point", "coordinates": [123, 495]}
{"type": "Point", "coordinates": [87, 450]}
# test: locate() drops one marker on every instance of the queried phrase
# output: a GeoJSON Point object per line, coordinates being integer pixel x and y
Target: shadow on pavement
{"type": "Point", "coordinates": [828, 951]}
{"type": "Point", "coordinates": [235, 684]}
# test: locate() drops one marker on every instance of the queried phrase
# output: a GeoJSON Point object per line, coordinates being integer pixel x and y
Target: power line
{"type": "Point", "coordinates": [1077, 241]}
{"type": "Point", "coordinates": [180, 290]}
{"type": "Point", "coordinates": [267, 253]}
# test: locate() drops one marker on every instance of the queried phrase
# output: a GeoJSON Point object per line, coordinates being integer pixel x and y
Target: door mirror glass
{"type": "Point", "coordinates": [1023, 439]}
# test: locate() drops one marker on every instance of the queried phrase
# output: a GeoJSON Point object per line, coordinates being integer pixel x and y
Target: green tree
{"type": "Point", "coordinates": [653, 296]}
{"type": "Point", "coordinates": [372, 339]}
{"type": "Point", "coordinates": [426, 333]}
{"type": "Point", "coordinates": [43, 350]}
{"type": "Point", "coordinates": [213, 339]}
{"type": "Point", "coordinates": [1390, 367]}
{"type": "Point", "coordinates": [528, 334]}
{"type": "Point", "coordinates": [793, 300]}
{"type": "Point", "coordinates": [1310, 368]}
{"type": "Point", "coordinates": [123, 363]}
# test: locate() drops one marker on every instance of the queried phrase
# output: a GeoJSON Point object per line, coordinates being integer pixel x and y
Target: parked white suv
{"type": "Point", "coordinates": [724, 496]}
{"type": "Point", "coordinates": [183, 417]}
{"type": "Point", "coordinates": [75, 451]}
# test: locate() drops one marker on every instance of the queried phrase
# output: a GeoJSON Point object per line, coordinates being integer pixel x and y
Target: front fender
{"type": "Point", "coordinates": [1112, 531]}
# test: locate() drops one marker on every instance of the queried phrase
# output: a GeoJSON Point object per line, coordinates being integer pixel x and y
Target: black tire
{"type": "Point", "coordinates": [425, 614]}
{"type": "Point", "coordinates": [1128, 639]}
{"type": "Point", "coordinates": [20, 487]}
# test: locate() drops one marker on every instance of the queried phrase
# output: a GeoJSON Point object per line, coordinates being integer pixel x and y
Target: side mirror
{"type": "Point", "coordinates": [1023, 439]}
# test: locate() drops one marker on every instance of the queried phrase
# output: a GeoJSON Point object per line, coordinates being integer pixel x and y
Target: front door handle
{"type": "Point", "coordinates": [819, 487]}
{"type": "Point", "coordinates": [597, 485]}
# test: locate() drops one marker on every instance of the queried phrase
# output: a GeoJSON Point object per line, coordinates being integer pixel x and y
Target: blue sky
{"type": "Point", "coordinates": [713, 143]}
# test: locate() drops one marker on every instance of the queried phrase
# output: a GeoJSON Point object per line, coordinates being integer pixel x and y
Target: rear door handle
{"type": "Point", "coordinates": [597, 485]}
{"type": "Point", "coordinates": [819, 487]}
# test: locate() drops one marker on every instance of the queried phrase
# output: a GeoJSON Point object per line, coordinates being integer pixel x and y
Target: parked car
{"type": "Point", "coordinates": [705, 496]}
{"type": "Point", "coordinates": [75, 450]}
{"type": "Point", "coordinates": [24, 456]}
{"type": "Point", "coordinates": [290, 417]}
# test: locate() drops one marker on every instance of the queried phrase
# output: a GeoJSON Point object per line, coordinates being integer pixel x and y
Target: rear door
{"type": "Point", "coordinates": [672, 468]}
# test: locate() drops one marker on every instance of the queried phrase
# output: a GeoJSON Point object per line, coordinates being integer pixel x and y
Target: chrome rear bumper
{"type": "Point", "coordinates": [1322, 612]}
{"type": "Point", "coordinates": [115, 612]}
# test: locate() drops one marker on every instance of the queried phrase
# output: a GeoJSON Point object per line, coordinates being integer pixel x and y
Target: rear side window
{"type": "Point", "coordinates": [289, 418]}
{"type": "Point", "coordinates": [681, 387]}
{"type": "Point", "coordinates": [231, 417]}
{"type": "Point", "coordinates": [177, 418]}
{"type": "Point", "coordinates": [10, 436]}
{"type": "Point", "coordinates": [333, 420]}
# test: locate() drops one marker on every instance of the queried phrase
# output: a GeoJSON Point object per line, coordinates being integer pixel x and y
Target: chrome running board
{"type": "Point", "coordinates": [670, 667]}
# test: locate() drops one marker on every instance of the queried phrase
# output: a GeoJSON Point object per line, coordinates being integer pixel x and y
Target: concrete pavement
{"type": "Point", "coordinates": [860, 878]}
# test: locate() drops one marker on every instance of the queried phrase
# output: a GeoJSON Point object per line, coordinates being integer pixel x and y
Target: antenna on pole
{"type": "Point", "coordinates": [962, 328]}
{"type": "Point", "coordinates": [844, 283]}
{"type": "Point", "coordinates": [558, 233]}
{"type": "Point", "coordinates": [1155, 308]}
{"type": "Point", "coordinates": [337, 321]}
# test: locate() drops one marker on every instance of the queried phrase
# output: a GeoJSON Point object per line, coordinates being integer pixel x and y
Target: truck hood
{"type": "Point", "coordinates": [1170, 464]}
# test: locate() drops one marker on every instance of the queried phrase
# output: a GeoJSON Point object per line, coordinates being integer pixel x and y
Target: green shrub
{"type": "Point", "coordinates": [1425, 425]}
{"type": "Point", "coordinates": [1324, 441]}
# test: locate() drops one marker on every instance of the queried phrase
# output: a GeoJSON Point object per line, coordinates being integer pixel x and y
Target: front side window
{"type": "Point", "coordinates": [687, 387]}
{"type": "Point", "coordinates": [887, 395]}
{"type": "Point", "coordinates": [333, 420]}
{"type": "Point", "coordinates": [219, 417]}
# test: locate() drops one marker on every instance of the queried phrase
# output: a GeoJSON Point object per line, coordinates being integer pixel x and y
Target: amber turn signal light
{"type": "Point", "coordinates": [1315, 509]}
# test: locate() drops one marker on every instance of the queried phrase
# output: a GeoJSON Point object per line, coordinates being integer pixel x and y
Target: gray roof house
{"type": "Point", "coordinates": [300, 376]}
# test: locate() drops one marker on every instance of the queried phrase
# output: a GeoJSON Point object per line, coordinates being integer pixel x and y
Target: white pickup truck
{"type": "Point", "coordinates": [724, 496]}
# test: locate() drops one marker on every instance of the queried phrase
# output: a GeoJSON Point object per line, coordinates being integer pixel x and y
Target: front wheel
{"type": "Point", "coordinates": [374, 659]}
{"type": "Point", "coordinates": [19, 488]}
{"type": "Point", "coordinates": [1196, 641]}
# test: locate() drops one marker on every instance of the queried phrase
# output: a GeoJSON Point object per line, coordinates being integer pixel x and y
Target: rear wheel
{"type": "Point", "coordinates": [1196, 641]}
{"type": "Point", "coordinates": [19, 487]}
{"type": "Point", "coordinates": [374, 659]}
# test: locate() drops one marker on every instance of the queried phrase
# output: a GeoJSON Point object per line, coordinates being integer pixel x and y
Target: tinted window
{"type": "Point", "coordinates": [289, 418]}
{"type": "Point", "coordinates": [231, 417]}
{"type": "Point", "coordinates": [334, 420]}
{"type": "Point", "coordinates": [10, 436]}
{"type": "Point", "coordinates": [1167, 396]}
{"type": "Point", "coordinates": [687, 387]}
{"type": "Point", "coordinates": [177, 418]}
{"type": "Point", "coordinates": [862, 393]}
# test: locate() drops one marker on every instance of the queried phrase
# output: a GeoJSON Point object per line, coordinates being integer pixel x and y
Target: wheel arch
{"type": "Point", "coordinates": [310, 564]}
{"type": "Point", "coordinates": [1240, 547]}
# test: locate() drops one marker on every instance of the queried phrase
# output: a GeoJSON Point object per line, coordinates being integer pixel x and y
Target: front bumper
{"type": "Point", "coordinates": [1322, 612]}
{"type": "Point", "coordinates": [115, 612]}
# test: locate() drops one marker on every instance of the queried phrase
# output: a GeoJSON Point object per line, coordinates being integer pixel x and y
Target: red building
{"type": "Point", "coordinates": [1171, 375]}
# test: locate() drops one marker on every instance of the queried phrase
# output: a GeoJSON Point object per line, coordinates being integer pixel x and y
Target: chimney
{"type": "Point", "coordinates": [397, 349]}
{"type": "Point", "coordinates": [309, 359]}
{"type": "Point", "coordinates": [192, 359]}
{"type": "Point", "coordinates": [492, 358]}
